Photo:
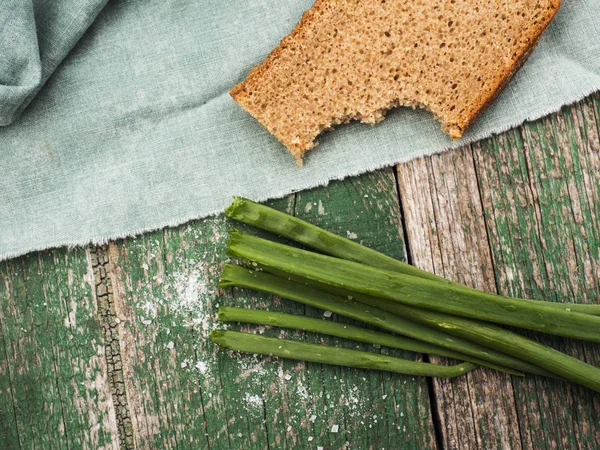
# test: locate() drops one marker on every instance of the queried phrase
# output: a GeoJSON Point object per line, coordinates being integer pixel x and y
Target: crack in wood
{"type": "Point", "coordinates": [109, 322]}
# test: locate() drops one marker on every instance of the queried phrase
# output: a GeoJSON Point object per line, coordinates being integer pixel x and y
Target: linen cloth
{"type": "Point", "coordinates": [135, 130]}
{"type": "Point", "coordinates": [35, 36]}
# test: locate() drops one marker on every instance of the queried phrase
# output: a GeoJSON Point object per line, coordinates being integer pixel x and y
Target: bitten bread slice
{"type": "Point", "coordinates": [348, 60]}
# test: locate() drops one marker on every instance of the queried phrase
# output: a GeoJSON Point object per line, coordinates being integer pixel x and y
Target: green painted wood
{"type": "Point", "coordinates": [54, 355]}
{"type": "Point", "coordinates": [390, 411]}
{"type": "Point", "coordinates": [540, 189]}
{"type": "Point", "coordinates": [161, 294]}
{"type": "Point", "coordinates": [518, 214]}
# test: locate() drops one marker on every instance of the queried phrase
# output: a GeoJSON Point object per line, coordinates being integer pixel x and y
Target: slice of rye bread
{"type": "Point", "coordinates": [349, 60]}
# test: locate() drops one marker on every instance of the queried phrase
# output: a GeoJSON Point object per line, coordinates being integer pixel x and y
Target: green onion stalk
{"type": "Point", "coordinates": [269, 219]}
{"type": "Point", "coordinates": [283, 348]}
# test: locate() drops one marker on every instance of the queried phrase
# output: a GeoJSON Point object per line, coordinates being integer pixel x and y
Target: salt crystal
{"type": "Point", "coordinates": [327, 314]}
{"type": "Point", "coordinates": [201, 366]}
{"type": "Point", "coordinates": [312, 418]}
{"type": "Point", "coordinates": [184, 364]}
{"type": "Point", "coordinates": [335, 428]}
{"type": "Point", "coordinates": [376, 345]}
{"type": "Point", "coordinates": [319, 447]}
{"type": "Point", "coordinates": [384, 396]}
{"type": "Point", "coordinates": [171, 345]}
{"type": "Point", "coordinates": [310, 438]}
{"type": "Point", "coordinates": [289, 428]}
{"type": "Point", "coordinates": [351, 235]}
{"type": "Point", "coordinates": [145, 266]}
{"type": "Point", "coordinates": [288, 377]}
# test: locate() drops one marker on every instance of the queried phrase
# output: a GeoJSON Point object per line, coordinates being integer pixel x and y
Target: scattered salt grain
{"type": "Point", "coordinates": [184, 364]}
{"type": "Point", "coordinates": [289, 428]}
{"type": "Point", "coordinates": [335, 428]}
{"type": "Point", "coordinates": [171, 345]}
{"type": "Point", "coordinates": [384, 396]}
{"type": "Point", "coordinates": [327, 314]}
{"type": "Point", "coordinates": [253, 399]}
{"type": "Point", "coordinates": [376, 345]}
{"type": "Point", "coordinates": [321, 208]}
{"type": "Point", "coordinates": [310, 438]}
{"type": "Point", "coordinates": [201, 366]}
{"type": "Point", "coordinates": [351, 235]}
{"type": "Point", "coordinates": [319, 447]}
{"type": "Point", "coordinates": [313, 418]}
{"type": "Point", "coordinates": [287, 377]}
{"type": "Point", "coordinates": [145, 266]}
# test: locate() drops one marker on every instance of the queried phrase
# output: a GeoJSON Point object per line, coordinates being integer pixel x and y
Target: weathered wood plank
{"type": "Point", "coordinates": [54, 354]}
{"type": "Point", "coordinates": [540, 190]}
{"type": "Point", "coordinates": [446, 235]}
{"type": "Point", "coordinates": [9, 432]}
{"type": "Point", "coordinates": [518, 215]}
{"type": "Point", "coordinates": [162, 295]}
{"type": "Point", "coordinates": [385, 411]}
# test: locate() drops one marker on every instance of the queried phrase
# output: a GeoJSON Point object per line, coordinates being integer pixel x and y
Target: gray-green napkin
{"type": "Point", "coordinates": [136, 130]}
{"type": "Point", "coordinates": [35, 36]}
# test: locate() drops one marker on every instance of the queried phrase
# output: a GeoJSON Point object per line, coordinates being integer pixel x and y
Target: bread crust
{"type": "Point", "coordinates": [454, 129]}
{"type": "Point", "coordinates": [514, 68]}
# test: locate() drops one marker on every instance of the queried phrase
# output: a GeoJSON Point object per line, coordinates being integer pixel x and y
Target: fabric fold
{"type": "Point", "coordinates": [35, 36]}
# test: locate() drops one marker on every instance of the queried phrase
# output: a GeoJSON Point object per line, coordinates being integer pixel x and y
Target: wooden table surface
{"type": "Point", "coordinates": [106, 347]}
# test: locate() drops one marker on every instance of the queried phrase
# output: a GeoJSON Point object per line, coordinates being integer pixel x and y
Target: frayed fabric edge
{"type": "Point", "coordinates": [103, 240]}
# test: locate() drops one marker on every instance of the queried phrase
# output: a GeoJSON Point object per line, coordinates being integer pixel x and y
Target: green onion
{"type": "Point", "coordinates": [462, 349]}
{"type": "Point", "coordinates": [552, 360]}
{"type": "Point", "coordinates": [277, 222]}
{"type": "Point", "coordinates": [347, 331]}
{"type": "Point", "coordinates": [414, 291]}
{"type": "Point", "coordinates": [283, 348]}
{"type": "Point", "coordinates": [549, 360]}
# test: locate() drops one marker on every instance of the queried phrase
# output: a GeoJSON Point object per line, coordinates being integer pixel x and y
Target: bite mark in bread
{"type": "Point", "coordinates": [355, 59]}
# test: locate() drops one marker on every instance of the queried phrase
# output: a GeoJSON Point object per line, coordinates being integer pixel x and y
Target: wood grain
{"type": "Point", "coordinates": [517, 214]}
{"type": "Point", "coordinates": [52, 361]}
{"type": "Point", "coordinates": [447, 236]}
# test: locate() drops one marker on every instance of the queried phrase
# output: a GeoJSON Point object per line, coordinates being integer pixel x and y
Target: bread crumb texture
{"type": "Point", "coordinates": [355, 59]}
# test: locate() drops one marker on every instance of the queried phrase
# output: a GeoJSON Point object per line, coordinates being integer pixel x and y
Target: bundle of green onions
{"type": "Point", "coordinates": [427, 314]}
